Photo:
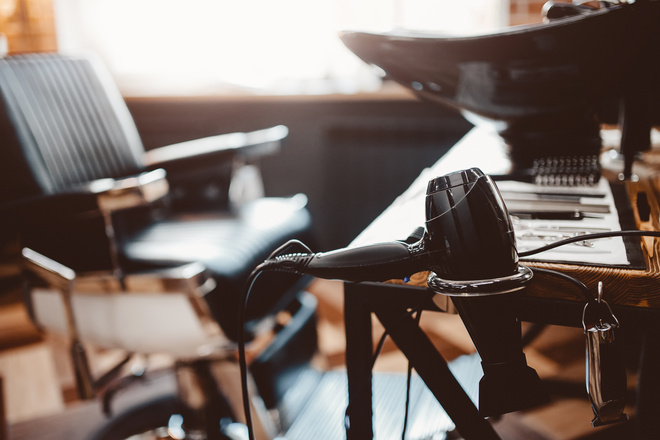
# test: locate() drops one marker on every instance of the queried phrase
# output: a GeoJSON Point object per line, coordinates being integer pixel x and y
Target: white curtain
{"type": "Point", "coordinates": [248, 46]}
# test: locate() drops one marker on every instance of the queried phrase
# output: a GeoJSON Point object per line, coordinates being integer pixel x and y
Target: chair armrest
{"type": "Point", "coordinates": [103, 195]}
{"type": "Point", "coordinates": [160, 297]}
{"type": "Point", "coordinates": [52, 272]}
{"type": "Point", "coordinates": [117, 194]}
{"type": "Point", "coordinates": [222, 148]}
{"type": "Point", "coordinates": [192, 279]}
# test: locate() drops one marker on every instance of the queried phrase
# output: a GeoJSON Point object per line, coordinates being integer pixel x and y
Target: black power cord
{"type": "Point", "coordinates": [242, 360]}
{"type": "Point", "coordinates": [584, 237]}
{"type": "Point", "coordinates": [580, 285]}
{"type": "Point", "coordinates": [535, 330]}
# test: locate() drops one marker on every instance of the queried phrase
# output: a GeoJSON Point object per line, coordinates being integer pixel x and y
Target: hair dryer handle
{"type": "Point", "coordinates": [377, 262]}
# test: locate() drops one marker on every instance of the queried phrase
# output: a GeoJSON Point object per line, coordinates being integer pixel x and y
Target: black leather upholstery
{"type": "Point", "coordinates": [230, 246]}
{"type": "Point", "coordinates": [63, 124]}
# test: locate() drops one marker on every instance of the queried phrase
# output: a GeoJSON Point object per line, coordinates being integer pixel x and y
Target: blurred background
{"type": "Point", "coordinates": [195, 68]}
{"type": "Point", "coordinates": [202, 67]}
{"type": "Point", "coordinates": [201, 46]}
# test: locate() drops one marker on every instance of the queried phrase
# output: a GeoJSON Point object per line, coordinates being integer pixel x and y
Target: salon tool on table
{"type": "Point", "coordinates": [553, 215]}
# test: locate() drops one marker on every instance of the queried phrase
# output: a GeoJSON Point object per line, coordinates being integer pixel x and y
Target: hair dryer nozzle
{"type": "Point", "coordinates": [509, 387]}
{"type": "Point", "coordinates": [508, 384]}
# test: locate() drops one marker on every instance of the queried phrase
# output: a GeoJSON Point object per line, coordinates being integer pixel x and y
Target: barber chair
{"type": "Point", "coordinates": [144, 251]}
{"type": "Point", "coordinates": [76, 180]}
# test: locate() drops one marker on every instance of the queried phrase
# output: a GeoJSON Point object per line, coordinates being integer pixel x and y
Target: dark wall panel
{"type": "Point", "coordinates": [351, 155]}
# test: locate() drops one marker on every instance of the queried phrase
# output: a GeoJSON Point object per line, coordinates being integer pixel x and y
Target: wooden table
{"type": "Point", "coordinates": [633, 294]}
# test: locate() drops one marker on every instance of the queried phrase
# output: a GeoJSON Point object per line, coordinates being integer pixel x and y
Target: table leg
{"type": "Point", "coordinates": [359, 348]}
{"type": "Point", "coordinates": [433, 369]}
{"type": "Point", "coordinates": [648, 386]}
{"type": "Point", "coordinates": [3, 420]}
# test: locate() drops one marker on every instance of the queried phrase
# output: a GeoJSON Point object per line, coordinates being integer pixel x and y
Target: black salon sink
{"type": "Point", "coordinates": [537, 85]}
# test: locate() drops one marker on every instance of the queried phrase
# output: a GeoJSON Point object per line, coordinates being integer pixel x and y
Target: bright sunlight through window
{"type": "Point", "coordinates": [249, 46]}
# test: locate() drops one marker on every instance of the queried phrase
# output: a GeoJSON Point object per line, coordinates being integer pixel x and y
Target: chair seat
{"type": "Point", "coordinates": [230, 246]}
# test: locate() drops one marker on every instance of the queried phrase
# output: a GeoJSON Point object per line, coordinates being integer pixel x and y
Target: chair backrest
{"type": "Point", "coordinates": [62, 123]}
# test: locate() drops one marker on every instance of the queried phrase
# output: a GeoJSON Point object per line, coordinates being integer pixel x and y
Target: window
{"type": "Point", "coordinates": [248, 46]}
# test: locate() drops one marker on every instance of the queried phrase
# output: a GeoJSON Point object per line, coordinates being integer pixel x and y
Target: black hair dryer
{"type": "Point", "coordinates": [466, 211]}
{"type": "Point", "coordinates": [469, 248]}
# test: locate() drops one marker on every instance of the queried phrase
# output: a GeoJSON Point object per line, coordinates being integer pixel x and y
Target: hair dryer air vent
{"type": "Point", "coordinates": [466, 217]}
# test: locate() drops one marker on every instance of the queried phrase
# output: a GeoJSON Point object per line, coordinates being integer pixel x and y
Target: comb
{"type": "Point", "coordinates": [582, 170]}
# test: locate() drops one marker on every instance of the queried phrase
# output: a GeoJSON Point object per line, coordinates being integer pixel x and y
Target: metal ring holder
{"type": "Point", "coordinates": [489, 286]}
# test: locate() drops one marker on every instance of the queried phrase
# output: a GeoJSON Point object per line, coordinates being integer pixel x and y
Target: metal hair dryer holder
{"type": "Point", "coordinates": [490, 286]}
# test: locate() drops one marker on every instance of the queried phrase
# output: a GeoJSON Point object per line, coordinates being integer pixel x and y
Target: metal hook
{"type": "Point", "coordinates": [606, 375]}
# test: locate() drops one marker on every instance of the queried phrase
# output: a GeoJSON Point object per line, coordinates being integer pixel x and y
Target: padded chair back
{"type": "Point", "coordinates": [62, 123]}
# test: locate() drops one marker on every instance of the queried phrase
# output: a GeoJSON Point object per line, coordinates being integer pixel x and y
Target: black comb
{"type": "Point", "coordinates": [559, 171]}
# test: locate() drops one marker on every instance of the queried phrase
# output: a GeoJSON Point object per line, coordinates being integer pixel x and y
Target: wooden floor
{"type": "Point", "coordinates": [38, 381]}
{"type": "Point", "coordinates": [557, 355]}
